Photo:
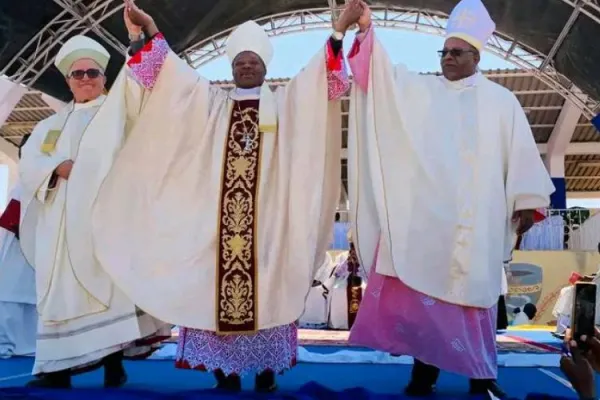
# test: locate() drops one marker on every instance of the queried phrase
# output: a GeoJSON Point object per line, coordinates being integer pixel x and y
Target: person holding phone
{"type": "Point", "coordinates": [580, 364]}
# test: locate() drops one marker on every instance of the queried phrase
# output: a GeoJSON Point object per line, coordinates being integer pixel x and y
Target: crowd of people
{"type": "Point", "coordinates": [171, 201]}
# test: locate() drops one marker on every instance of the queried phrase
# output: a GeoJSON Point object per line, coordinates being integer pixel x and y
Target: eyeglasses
{"type": "Point", "coordinates": [454, 53]}
{"type": "Point", "coordinates": [91, 73]}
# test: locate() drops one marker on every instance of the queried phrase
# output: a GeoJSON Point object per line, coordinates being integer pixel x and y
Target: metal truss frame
{"type": "Point", "coordinates": [428, 22]}
{"type": "Point", "coordinates": [77, 17]}
{"type": "Point", "coordinates": [82, 16]}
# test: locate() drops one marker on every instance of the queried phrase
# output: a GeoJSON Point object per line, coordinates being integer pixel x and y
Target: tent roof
{"type": "Point", "coordinates": [552, 29]}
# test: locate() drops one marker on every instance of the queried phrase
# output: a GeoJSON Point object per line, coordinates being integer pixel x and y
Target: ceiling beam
{"type": "Point", "coordinates": [575, 149]}
{"type": "Point", "coordinates": [583, 195]}
{"type": "Point", "coordinates": [27, 109]}
{"type": "Point", "coordinates": [20, 125]}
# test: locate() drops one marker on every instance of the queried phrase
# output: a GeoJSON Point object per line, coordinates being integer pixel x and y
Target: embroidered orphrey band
{"type": "Point", "coordinates": [354, 286]}
{"type": "Point", "coordinates": [236, 291]}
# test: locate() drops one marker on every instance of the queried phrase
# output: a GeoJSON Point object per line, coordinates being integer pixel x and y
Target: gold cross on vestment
{"type": "Point", "coordinates": [465, 19]}
{"type": "Point", "coordinates": [248, 142]}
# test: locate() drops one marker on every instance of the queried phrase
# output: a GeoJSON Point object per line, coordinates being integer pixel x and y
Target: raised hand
{"type": "Point", "coordinates": [364, 22]}
{"type": "Point", "coordinates": [132, 29]}
{"type": "Point", "coordinates": [349, 16]}
{"type": "Point", "coordinates": [135, 18]}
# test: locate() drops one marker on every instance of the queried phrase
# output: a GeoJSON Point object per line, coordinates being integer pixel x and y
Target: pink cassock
{"type": "Point", "coordinates": [397, 319]}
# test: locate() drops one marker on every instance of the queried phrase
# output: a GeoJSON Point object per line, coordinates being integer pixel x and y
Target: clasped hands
{"type": "Point", "coordinates": [137, 20]}
{"type": "Point", "coordinates": [356, 12]}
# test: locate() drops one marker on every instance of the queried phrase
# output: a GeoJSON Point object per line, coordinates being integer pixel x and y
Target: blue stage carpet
{"type": "Point", "coordinates": [153, 380]}
{"type": "Point", "coordinates": [310, 391]}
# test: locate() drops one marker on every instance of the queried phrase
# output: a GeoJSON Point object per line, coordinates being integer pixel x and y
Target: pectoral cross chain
{"type": "Point", "coordinates": [248, 141]}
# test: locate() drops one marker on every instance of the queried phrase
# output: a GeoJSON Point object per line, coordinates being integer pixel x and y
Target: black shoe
{"type": "Point", "coordinates": [114, 371]}
{"type": "Point", "coordinates": [482, 386]}
{"type": "Point", "coordinates": [422, 380]}
{"type": "Point", "coordinates": [115, 381]}
{"type": "Point", "coordinates": [419, 389]}
{"type": "Point", "coordinates": [265, 382]}
{"type": "Point", "coordinates": [231, 383]}
{"type": "Point", "coordinates": [52, 380]}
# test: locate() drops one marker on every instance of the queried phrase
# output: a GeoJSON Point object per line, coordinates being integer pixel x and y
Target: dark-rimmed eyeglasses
{"type": "Point", "coordinates": [454, 53]}
{"type": "Point", "coordinates": [91, 73]}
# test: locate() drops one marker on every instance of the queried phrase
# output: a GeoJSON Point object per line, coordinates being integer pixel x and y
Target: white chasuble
{"type": "Point", "coordinates": [82, 315]}
{"type": "Point", "coordinates": [157, 217]}
{"type": "Point", "coordinates": [17, 277]}
{"type": "Point", "coordinates": [436, 170]}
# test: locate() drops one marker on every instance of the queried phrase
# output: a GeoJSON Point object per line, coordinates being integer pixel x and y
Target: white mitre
{"type": "Point", "coordinates": [471, 22]}
{"type": "Point", "coordinates": [250, 36]}
{"type": "Point", "coordinates": [77, 48]}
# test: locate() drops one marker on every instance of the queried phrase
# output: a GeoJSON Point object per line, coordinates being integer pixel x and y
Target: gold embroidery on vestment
{"type": "Point", "coordinates": [237, 306]}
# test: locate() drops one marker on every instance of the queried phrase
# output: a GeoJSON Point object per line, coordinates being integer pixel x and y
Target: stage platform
{"type": "Point", "coordinates": [328, 369]}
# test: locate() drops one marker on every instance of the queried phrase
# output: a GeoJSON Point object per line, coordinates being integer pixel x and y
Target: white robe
{"type": "Point", "coordinates": [155, 217]}
{"type": "Point", "coordinates": [564, 303]}
{"type": "Point", "coordinates": [316, 310]}
{"type": "Point", "coordinates": [338, 303]}
{"type": "Point", "coordinates": [563, 308]}
{"type": "Point", "coordinates": [436, 170]}
{"type": "Point", "coordinates": [521, 319]}
{"type": "Point", "coordinates": [18, 315]}
{"type": "Point", "coordinates": [82, 315]}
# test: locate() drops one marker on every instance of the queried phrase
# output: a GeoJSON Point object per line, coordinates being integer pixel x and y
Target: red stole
{"type": "Point", "coordinates": [9, 219]}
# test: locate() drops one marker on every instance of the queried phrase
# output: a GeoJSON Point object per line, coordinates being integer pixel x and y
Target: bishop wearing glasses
{"type": "Point", "coordinates": [443, 171]}
{"type": "Point", "coordinates": [84, 319]}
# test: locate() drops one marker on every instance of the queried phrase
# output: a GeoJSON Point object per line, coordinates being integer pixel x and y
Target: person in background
{"type": "Point", "coordinates": [429, 254]}
{"type": "Point", "coordinates": [85, 321]}
{"type": "Point", "coordinates": [18, 315]}
{"type": "Point", "coordinates": [564, 304]}
{"type": "Point", "coordinates": [526, 316]}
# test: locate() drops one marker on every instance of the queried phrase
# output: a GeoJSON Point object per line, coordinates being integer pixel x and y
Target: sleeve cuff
{"type": "Point", "coordinates": [335, 56]}
{"type": "Point", "coordinates": [146, 64]}
{"type": "Point", "coordinates": [531, 202]}
{"type": "Point", "coordinates": [9, 219]}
